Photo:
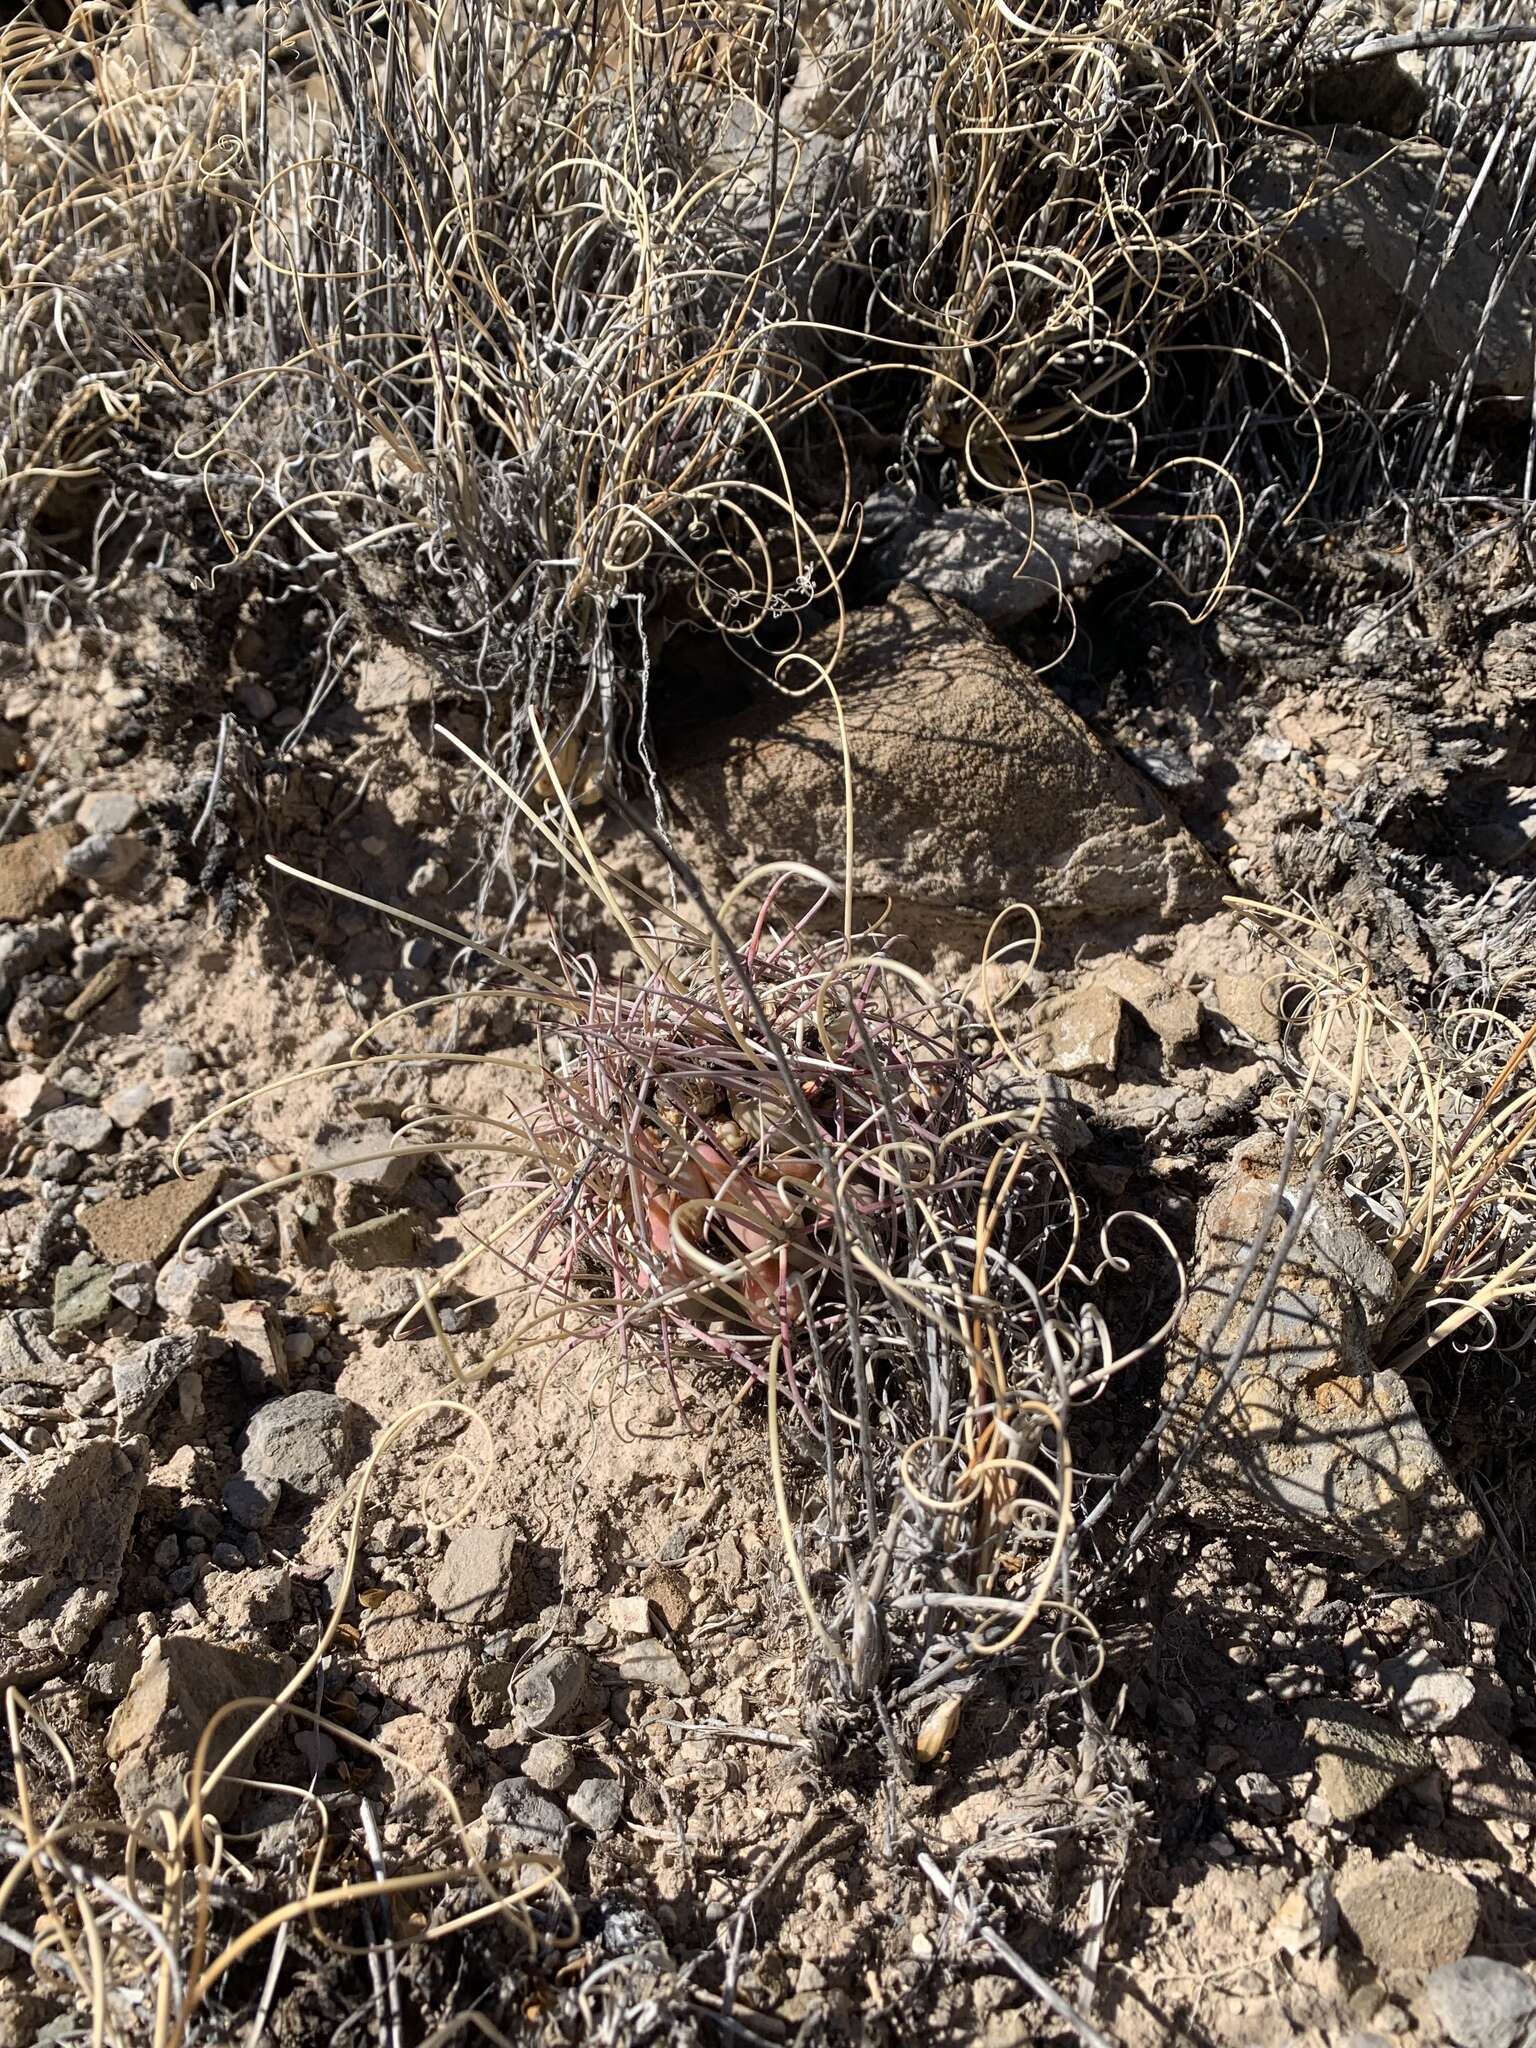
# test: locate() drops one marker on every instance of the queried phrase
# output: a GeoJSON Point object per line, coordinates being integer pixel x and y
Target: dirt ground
{"type": "Point", "coordinates": [1162, 1845]}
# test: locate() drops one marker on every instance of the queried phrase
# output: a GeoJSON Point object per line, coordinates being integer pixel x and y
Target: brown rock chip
{"type": "Point", "coordinates": [153, 1736]}
{"type": "Point", "coordinates": [1408, 1918]}
{"type": "Point", "coordinates": [140, 1230]}
{"type": "Point", "coordinates": [666, 1587]}
{"type": "Point", "coordinates": [415, 1659]}
{"type": "Point", "coordinates": [31, 872]}
{"type": "Point", "coordinates": [974, 786]}
{"type": "Point", "coordinates": [377, 1241]}
{"type": "Point", "coordinates": [479, 1580]}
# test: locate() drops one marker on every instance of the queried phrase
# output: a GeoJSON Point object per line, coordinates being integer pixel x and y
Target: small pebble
{"type": "Point", "coordinates": [550, 1763]}
{"type": "Point", "coordinates": [57, 1165]}
{"type": "Point", "coordinates": [318, 1749]}
{"type": "Point", "coordinates": [256, 701]}
{"type": "Point", "coordinates": [598, 1803]}
{"type": "Point", "coordinates": [108, 810]}
{"type": "Point", "coordinates": [1260, 1792]}
{"type": "Point", "coordinates": [251, 1502]}
{"type": "Point", "coordinates": [105, 857]}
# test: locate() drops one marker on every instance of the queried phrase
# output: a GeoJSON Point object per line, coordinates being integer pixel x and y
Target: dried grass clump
{"type": "Point", "coordinates": [608, 321]}
{"type": "Point", "coordinates": [1435, 1112]}
{"type": "Point", "coordinates": [127, 194]}
{"type": "Point", "coordinates": [533, 331]}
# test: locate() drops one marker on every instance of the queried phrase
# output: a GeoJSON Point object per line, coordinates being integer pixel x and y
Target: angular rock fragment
{"type": "Point", "coordinates": [418, 1749]}
{"type": "Point", "coordinates": [550, 1694]}
{"type": "Point", "coordinates": [65, 1517]}
{"type": "Point", "coordinates": [549, 1763]}
{"type": "Point", "coordinates": [652, 1665]}
{"type": "Point", "coordinates": [415, 1658]}
{"type": "Point", "coordinates": [974, 786]}
{"type": "Point", "coordinates": [303, 1440]}
{"type": "Point", "coordinates": [140, 1230]}
{"type": "Point", "coordinates": [479, 1578]}
{"type": "Point", "coordinates": [1385, 263]}
{"type": "Point", "coordinates": [78, 1124]}
{"type": "Point", "coordinates": [1360, 1758]}
{"type": "Point", "coordinates": [142, 1377]}
{"type": "Point", "coordinates": [1078, 1033]}
{"type": "Point", "coordinates": [598, 1803]}
{"type": "Point", "coordinates": [27, 1358]}
{"type": "Point", "coordinates": [530, 1820]}
{"type": "Point", "coordinates": [31, 872]}
{"type": "Point", "coordinates": [251, 1331]}
{"type": "Point", "coordinates": [182, 1683]}
{"type": "Point", "coordinates": [82, 1296]}
{"type": "Point", "coordinates": [1488, 1780]}
{"type": "Point", "coordinates": [1310, 1441]}
{"type": "Point", "coordinates": [361, 1156]}
{"type": "Point", "coordinates": [378, 1241]}
{"type": "Point", "coordinates": [191, 1288]}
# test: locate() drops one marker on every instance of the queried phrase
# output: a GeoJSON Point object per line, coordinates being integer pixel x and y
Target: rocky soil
{"type": "Point", "coordinates": [1295, 1805]}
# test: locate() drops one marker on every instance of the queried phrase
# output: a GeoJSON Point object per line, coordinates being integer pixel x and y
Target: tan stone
{"type": "Point", "coordinates": [153, 1736]}
{"type": "Point", "coordinates": [1408, 1918]}
{"type": "Point", "coordinates": [377, 1241]}
{"type": "Point", "coordinates": [31, 872]}
{"type": "Point", "coordinates": [413, 1657]}
{"type": "Point", "coordinates": [1171, 1011]}
{"type": "Point", "coordinates": [1310, 1439]}
{"type": "Point", "coordinates": [974, 787]}
{"type": "Point", "coordinates": [417, 1750]}
{"type": "Point", "coordinates": [666, 1587]}
{"type": "Point", "coordinates": [140, 1230]}
{"type": "Point", "coordinates": [1079, 1033]}
{"type": "Point", "coordinates": [390, 680]}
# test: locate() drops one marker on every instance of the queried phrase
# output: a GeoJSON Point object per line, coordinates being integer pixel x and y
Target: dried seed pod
{"type": "Point", "coordinates": [938, 1728]}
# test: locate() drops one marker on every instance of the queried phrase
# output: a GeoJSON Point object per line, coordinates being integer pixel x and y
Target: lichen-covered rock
{"type": "Point", "coordinates": [1006, 563]}
{"type": "Point", "coordinates": [1311, 1441]}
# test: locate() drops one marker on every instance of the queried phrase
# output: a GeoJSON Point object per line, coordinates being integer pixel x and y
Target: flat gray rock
{"type": "Point", "coordinates": [28, 1357]}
